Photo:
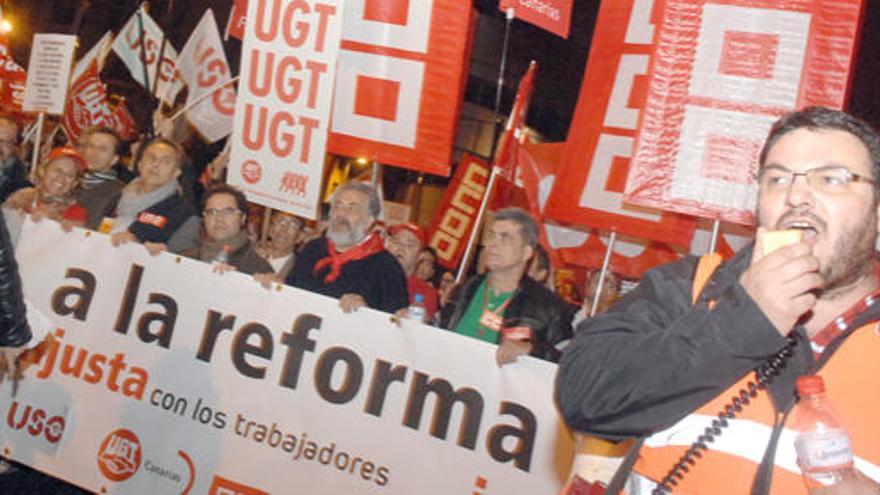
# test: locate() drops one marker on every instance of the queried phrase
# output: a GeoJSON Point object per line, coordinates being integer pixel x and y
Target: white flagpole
{"type": "Point", "coordinates": [201, 98]}
{"type": "Point", "coordinates": [605, 263]}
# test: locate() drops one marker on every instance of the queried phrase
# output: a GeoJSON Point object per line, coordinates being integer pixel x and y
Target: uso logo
{"type": "Point", "coordinates": [251, 171]}
{"type": "Point", "coordinates": [35, 421]}
{"type": "Point", "coordinates": [120, 455]}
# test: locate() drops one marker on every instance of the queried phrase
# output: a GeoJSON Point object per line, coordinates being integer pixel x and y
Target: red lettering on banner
{"type": "Point", "coordinates": [287, 88]}
{"type": "Point", "coordinates": [294, 183]}
{"type": "Point", "coordinates": [36, 421]}
{"type": "Point", "coordinates": [294, 31]}
{"type": "Point", "coordinates": [119, 457]}
{"type": "Point", "coordinates": [224, 486]}
{"type": "Point", "coordinates": [281, 127]}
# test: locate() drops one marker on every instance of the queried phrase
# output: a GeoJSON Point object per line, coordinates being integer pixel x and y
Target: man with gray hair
{"type": "Point", "coordinates": [505, 306]}
{"type": "Point", "coordinates": [350, 262]}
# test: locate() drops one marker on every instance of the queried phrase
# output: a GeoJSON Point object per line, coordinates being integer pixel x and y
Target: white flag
{"type": "Point", "coordinates": [202, 66]}
{"type": "Point", "coordinates": [128, 47]}
{"type": "Point", "coordinates": [98, 51]}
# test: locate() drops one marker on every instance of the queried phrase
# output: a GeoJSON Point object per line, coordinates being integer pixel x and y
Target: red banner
{"type": "Point", "coordinates": [12, 79]}
{"type": "Point", "coordinates": [455, 218]}
{"type": "Point", "coordinates": [589, 188]}
{"type": "Point", "coordinates": [737, 66]}
{"type": "Point", "coordinates": [400, 81]}
{"type": "Point", "coordinates": [552, 15]}
{"type": "Point", "coordinates": [237, 18]}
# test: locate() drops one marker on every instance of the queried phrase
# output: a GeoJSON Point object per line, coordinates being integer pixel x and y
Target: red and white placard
{"type": "Point", "coordinates": [722, 73]}
{"type": "Point", "coordinates": [589, 189]}
{"type": "Point", "coordinates": [400, 81]}
{"type": "Point", "coordinates": [283, 107]}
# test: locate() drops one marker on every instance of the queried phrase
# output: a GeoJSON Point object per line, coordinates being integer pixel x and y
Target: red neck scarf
{"type": "Point", "coordinates": [368, 247]}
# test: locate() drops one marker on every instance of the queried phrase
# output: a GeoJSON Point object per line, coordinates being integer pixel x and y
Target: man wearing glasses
{"type": "Point", "coordinates": [13, 173]}
{"type": "Point", "coordinates": [226, 243]}
{"type": "Point", "coordinates": [671, 362]}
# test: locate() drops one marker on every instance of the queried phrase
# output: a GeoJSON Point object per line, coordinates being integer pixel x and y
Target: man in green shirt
{"type": "Point", "coordinates": [505, 306]}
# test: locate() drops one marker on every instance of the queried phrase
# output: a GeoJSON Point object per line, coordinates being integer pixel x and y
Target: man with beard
{"type": "Point", "coordinates": [13, 173]}
{"type": "Point", "coordinates": [695, 346]}
{"type": "Point", "coordinates": [350, 262]}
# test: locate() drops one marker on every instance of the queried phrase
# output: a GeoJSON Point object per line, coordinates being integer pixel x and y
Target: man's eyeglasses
{"type": "Point", "coordinates": [828, 180]}
{"type": "Point", "coordinates": [220, 212]}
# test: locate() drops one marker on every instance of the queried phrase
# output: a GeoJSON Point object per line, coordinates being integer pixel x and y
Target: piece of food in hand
{"type": "Point", "coordinates": [775, 239]}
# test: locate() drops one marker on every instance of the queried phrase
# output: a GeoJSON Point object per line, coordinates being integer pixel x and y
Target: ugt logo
{"type": "Point", "coordinates": [120, 455]}
{"type": "Point", "coordinates": [36, 421]}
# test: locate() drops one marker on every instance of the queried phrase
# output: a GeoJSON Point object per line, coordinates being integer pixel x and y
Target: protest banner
{"type": "Point", "coordinates": [722, 73]}
{"type": "Point", "coordinates": [165, 377]}
{"type": "Point", "coordinates": [48, 73]}
{"type": "Point", "coordinates": [284, 99]}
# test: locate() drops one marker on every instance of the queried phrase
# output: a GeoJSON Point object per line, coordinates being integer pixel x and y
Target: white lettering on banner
{"type": "Point", "coordinates": [595, 195]}
{"type": "Point", "coordinates": [727, 143]}
{"type": "Point", "coordinates": [284, 102]}
{"type": "Point", "coordinates": [640, 30]}
{"type": "Point", "coordinates": [619, 113]}
{"type": "Point", "coordinates": [407, 78]}
{"type": "Point", "coordinates": [775, 43]}
{"type": "Point", "coordinates": [272, 377]}
{"type": "Point", "coordinates": [542, 8]}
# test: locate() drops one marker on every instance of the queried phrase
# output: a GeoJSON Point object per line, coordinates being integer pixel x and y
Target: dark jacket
{"type": "Point", "coordinates": [378, 278]}
{"type": "Point", "coordinates": [13, 178]}
{"type": "Point", "coordinates": [533, 306]}
{"type": "Point", "coordinates": [654, 357]}
{"type": "Point", "coordinates": [99, 200]}
{"type": "Point", "coordinates": [14, 329]}
{"type": "Point", "coordinates": [160, 221]}
{"type": "Point", "coordinates": [245, 259]}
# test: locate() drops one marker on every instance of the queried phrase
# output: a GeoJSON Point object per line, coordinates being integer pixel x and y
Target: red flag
{"type": "Point", "coordinates": [87, 105]}
{"type": "Point", "coordinates": [237, 18]}
{"type": "Point", "coordinates": [12, 79]}
{"type": "Point", "coordinates": [506, 153]}
{"type": "Point", "coordinates": [122, 122]}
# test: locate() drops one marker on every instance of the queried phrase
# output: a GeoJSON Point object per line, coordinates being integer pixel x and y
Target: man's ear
{"type": "Point", "coordinates": [528, 253]}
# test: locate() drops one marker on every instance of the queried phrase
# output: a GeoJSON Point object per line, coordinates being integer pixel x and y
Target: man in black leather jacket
{"type": "Point", "coordinates": [14, 329]}
{"type": "Point", "coordinates": [505, 306]}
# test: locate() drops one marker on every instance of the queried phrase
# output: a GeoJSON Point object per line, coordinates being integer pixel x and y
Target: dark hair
{"type": "Point", "coordinates": [11, 121]}
{"type": "Point", "coordinates": [240, 199]}
{"type": "Point", "coordinates": [374, 205]}
{"type": "Point", "coordinates": [542, 257]}
{"type": "Point", "coordinates": [528, 227]}
{"type": "Point", "coordinates": [819, 118]}
{"type": "Point", "coordinates": [103, 129]}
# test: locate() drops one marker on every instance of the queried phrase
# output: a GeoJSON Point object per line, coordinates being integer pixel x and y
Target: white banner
{"type": "Point", "coordinates": [133, 48]}
{"type": "Point", "coordinates": [284, 99]}
{"type": "Point", "coordinates": [48, 73]}
{"type": "Point", "coordinates": [202, 65]}
{"type": "Point", "coordinates": [168, 378]}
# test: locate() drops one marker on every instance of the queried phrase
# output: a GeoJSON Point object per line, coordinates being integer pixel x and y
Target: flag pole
{"type": "Point", "coordinates": [468, 252]}
{"type": "Point", "coordinates": [713, 241]}
{"type": "Point", "coordinates": [38, 136]}
{"type": "Point", "coordinates": [159, 66]}
{"type": "Point", "coordinates": [605, 263]}
{"type": "Point", "coordinates": [140, 23]}
{"type": "Point", "coordinates": [508, 22]}
{"type": "Point", "coordinates": [201, 98]}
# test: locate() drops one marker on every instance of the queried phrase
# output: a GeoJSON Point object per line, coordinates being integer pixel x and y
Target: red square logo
{"type": "Point", "coordinates": [388, 11]}
{"type": "Point", "coordinates": [376, 98]}
{"type": "Point", "coordinates": [749, 54]}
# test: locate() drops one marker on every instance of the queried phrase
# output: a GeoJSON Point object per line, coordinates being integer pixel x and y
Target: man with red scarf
{"type": "Point", "coordinates": [350, 262]}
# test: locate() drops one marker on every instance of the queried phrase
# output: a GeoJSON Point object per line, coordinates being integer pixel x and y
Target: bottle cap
{"type": "Point", "coordinates": [810, 385]}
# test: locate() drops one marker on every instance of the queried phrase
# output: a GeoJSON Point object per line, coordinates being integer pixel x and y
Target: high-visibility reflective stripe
{"type": "Point", "coordinates": [742, 438]}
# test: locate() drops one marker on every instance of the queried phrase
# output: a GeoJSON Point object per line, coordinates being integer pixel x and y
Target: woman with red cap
{"type": "Point", "coordinates": [53, 196]}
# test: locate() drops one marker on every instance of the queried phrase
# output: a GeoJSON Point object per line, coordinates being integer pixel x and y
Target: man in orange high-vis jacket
{"type": "Point", "coordinates": [671, 355]}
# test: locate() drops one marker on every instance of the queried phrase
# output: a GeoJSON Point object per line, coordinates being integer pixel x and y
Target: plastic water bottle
{"type": "Point", "coordinates": [417, 308]}
{"type": "Point", "coordinates": [823, 446]}
{"type": "Point", "coordinates": [222, 255]}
